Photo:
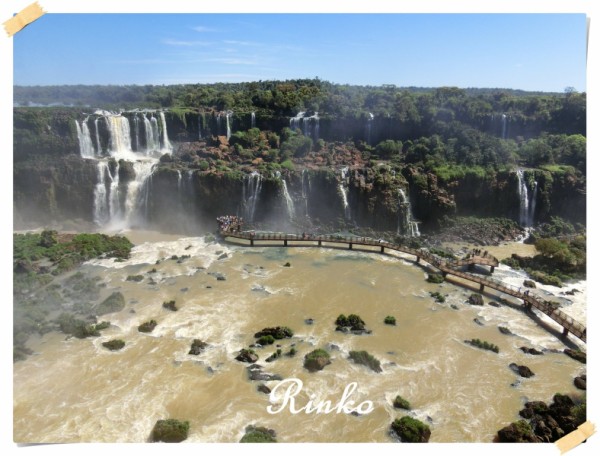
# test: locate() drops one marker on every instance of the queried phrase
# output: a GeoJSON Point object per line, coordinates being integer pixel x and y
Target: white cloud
{"type": "Point", "coordinates": [241, 43]}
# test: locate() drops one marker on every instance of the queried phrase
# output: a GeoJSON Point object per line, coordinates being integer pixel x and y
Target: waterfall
{"type": "Point", "coordinates": [218, 124]}
{"type": "Point", "coordinates": [155, 134]}
{"type": "Point", "coordinates": [370, 118]}
{"type": "Point", "coordinates": [120, 135]}
{"type": "Point", "coordinates": [166, 144]}
{"type": "Point", "coordinates": [150, 144]}
{"type": "Point", "coordinates": [136, 128]}
{"type": "Point", "coordinates": [252, 120]}
{"type": "Point", "coordinates": [100, 195]}
{"type": "Point", "coordinates": [523, 200]}
{"type": "Point", "coordinates": [98, 145]}
{"type": "Point", "coordinates": [305, 190]}
{"type": "Point", "coordinates": [531, 217]}
{"type": "Point", "coordinates": [406, 224]}
{"type": "Point", "coordinates": [296, 122]}
{"type": "Point", "coordinates": [143, 170]}
{"type": "Point", "coordinates": [343, 190]}
{"type": "Point", "coordinates": [200, 117]}
{"type": "Point", "coordinates": [227, 118]}
{"type": "Point", "coordinates": [503, 126]}
{"type": "Point", "coordinates": [114, 197]}
{"type": "Point", "coordinates": [179, 183]}
{"type": "Point", "coordinates": [251, 192]}
{"type": "Point", "coordinates": [286, 196]}
{"type": "Point", "coordinates": [86, 148]}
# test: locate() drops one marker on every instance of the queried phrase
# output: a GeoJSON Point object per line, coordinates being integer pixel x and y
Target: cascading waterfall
{"type": "Point", "coordinates": [504, 120]}
{"type": "Point", "coordinates": [166, 144]}
{"type": "Point", "coordinates": [150, 144]}
{"type": "Point", "coordinates": [101, 213]}
{"type": "Point", "coordinates": [531, 217]}
{"type": "Point", "coordinates": [370, 118]}
{"type": "Point", "coordinates": [253, 120]}
{"type": "Point", "coordinates": [228, 120]}
{"type": "Point", "coordinates": [86, 148]}
{"type": "Point", "coordinates": [251, 193]}
{"type": "Point", "coordinates": [218, 124]}
{"type": "Point", "coordinates": [526, 204]}
{"type": "Point", "coordinates": [98, 145]}
{"type": "Point", "coordinates": [114, 204]}
{"type": "Point", "coordinates": [114, 197]}
{"type": "Point", "coordinates": [406, 224]}
{"type": "Point", "coordinates": [136, 129]}
{"type": "Point", "coordinates": [155, 133]}
{"type": "Point", "coordinates": [289, 202]}
{"type": "Point", "coordinates": [343, 190]}
{"type": "Point", "coordinates": [296, 122]}
{"type": "Point", "coordinates": [305, 190]}
{"type": "Point", "coordinates": [523, 199]}
{"type": "Point", "coordinates": [200, 117]}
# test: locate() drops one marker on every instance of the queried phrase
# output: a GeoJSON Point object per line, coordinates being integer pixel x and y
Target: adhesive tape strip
{"type": "Point", "coordinates": [23, 18]}
{"type": "Point", "coordinates": [573, 439]}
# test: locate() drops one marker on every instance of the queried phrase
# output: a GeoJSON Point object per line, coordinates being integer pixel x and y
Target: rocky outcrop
{"type": "Point", "coordinates": [197, 347]}
{"type": "Point", "coordinates": [546, 423]}
{"type": "Point", "coordinates": [475, 299]}
{"type": "Point", "coordinates": [247, 356]}
{"type": "Point", "coordinates": [576, 355]}
{"type": "Point", "coordinates": [581, 382]}
{"type": "Point", "coordinates": [259, 434]}
{"type": "Point", "coordinates": [531, 351]}
{"type": "Point", "coordinates": [523, 371]}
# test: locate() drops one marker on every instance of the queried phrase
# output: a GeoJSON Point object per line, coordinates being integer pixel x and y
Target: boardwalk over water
{"type": "Point", "coordinates": [445, 266]}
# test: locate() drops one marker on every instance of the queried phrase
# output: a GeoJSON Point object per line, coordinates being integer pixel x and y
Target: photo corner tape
{"type": "Point", "coordinates": [23, 18]}
{"type": "Point", "coordinates": [573, 439]}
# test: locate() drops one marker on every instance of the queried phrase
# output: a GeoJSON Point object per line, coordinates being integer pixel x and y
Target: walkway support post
{"type": "Point", "coordinates": [565, 332]}
{"type": "Point", "coordinates": [319, 242]}
{"type": "Point", "coordinates": [492, 270]}
{"type": "Point", "coordinates": [285, 242]}
{"type": "Point", "coordinates": [350, 245]}
{"type": "Point", "coordinates": [481, 286]}
{"type": "Point", "coordinates": [382, 247]}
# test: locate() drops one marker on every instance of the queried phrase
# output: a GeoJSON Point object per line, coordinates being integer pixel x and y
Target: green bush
{"type": "Point", "coordinates": [265, 340]}
{"type": "Point", "coordinates": [435, 278]}
{"type": "Point", "coordinates": [114, 345]}
{"type": "Point", "coordinates": [400, 402]}
{"type": "Point", "coordinates": [170, 431]}
{"type": "Point", "coordinates": [366, 359]}
{"type": "Point", "coordinates": [390, 320]}
{"type": "Point", "coordinates": [411, 430]}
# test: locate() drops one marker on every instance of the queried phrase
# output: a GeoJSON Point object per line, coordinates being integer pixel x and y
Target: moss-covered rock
{"type": "Point", "coordinates": [411, 430]}
{"type": "Point", "coordinates": [259, 435]}
{"type": "Point", "coordinates": [114, 344]}
{"type": "Point", "coordinates": [147, 326]}
{"type": "Point", "coordinates": [114, 303]}
{"type": "Point", "coordinates": [401, 403]}
{"type": "Point", "coordinates": [483, 344]}
{"type": "Point", "coordinates": [278, 332]}
{"type": "Point", "coordinates": [170, 431]}
{"type": "Point", "coordinates": [316, 360]}
{"type": "Point", "coordinates": [390, 320]}
{"type": "Point", "coordinates": [435, 278]}
{"type": "Point", "coordinates": [265, 340]}
{"type": "Point", "coordinates": [135, 278]}
{"type": "Point", "coordinates": [523, 371]}
{"type": "Point", "coordinates": [366, 359]}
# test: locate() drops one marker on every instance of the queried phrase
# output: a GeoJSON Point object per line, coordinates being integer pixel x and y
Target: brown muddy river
{"type": "Point", "coordinates": [74, 390]}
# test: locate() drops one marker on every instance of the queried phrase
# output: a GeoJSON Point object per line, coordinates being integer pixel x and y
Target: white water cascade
{"type": "Point", "coordinates": [370, 118]}
{"type": "Point", "coordinates": [343, 190]}
{"type": "Point", "coordinates": [165, 136]}
{"type": "Point", "coordinates": [289, 202]}
{"type": "Point", "coordinates": [296, 122]}
{"type": "Point", "coordinates": [305, 190]}
{"type": "Point", "coordinates": [504, 120]}
{"type": "Point", "coordinates": [251, 193]}
{"type": "Point", "coordinates": [86, 147]}
{"type": "Point", "coordinates": [228, 120]}
{"type": "Point", "coordinates": [309, 125]}
{"type": "Point", "coordinates": [115, 203]}
{"type": "Point", "coordinates": [253, 120]}
{"type": "Point", "coordinates": [406, 224]}
{"type": "Point", "coordinates": [526, 204]}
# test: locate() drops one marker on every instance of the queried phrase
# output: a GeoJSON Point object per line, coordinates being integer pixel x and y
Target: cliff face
{"type": "Point", "coordinates": [52, 183]}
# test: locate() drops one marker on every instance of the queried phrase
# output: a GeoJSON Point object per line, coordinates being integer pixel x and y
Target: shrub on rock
{"type": "Point", "coordinates": [114, 345]}
{"type": "Point", "coordinates": [170, 305]}
{"type": "Point", "coordinates": [316, 360]}
{"type": "Point", "coordinates": [400, 402]}
{"type": "Point", "coordinates": [278, 332]}
{"type": "Point", "coordinates": [411, 430]}
{"type": "Point", "coordinates": [259, 435]}
{"type": "Point", "coordinates": [366, 359]}
{"type": "Point", "coordinates": [170, 431]}
{"type": "Point", "coordinates": [435, 278]}
{"type": "Point", "coordinates": [390, 320]}
{"type": "Point", "coordinates": [247, 356]}
{"type": "Point", "coordinates": [197, 347]}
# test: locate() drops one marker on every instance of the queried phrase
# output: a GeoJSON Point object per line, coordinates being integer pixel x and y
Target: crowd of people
{"type": "Point", "coordinates": [230, 223]}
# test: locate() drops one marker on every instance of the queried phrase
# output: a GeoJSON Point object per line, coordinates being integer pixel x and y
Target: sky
{"type": "Point", "coordinates": [545, 52]}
